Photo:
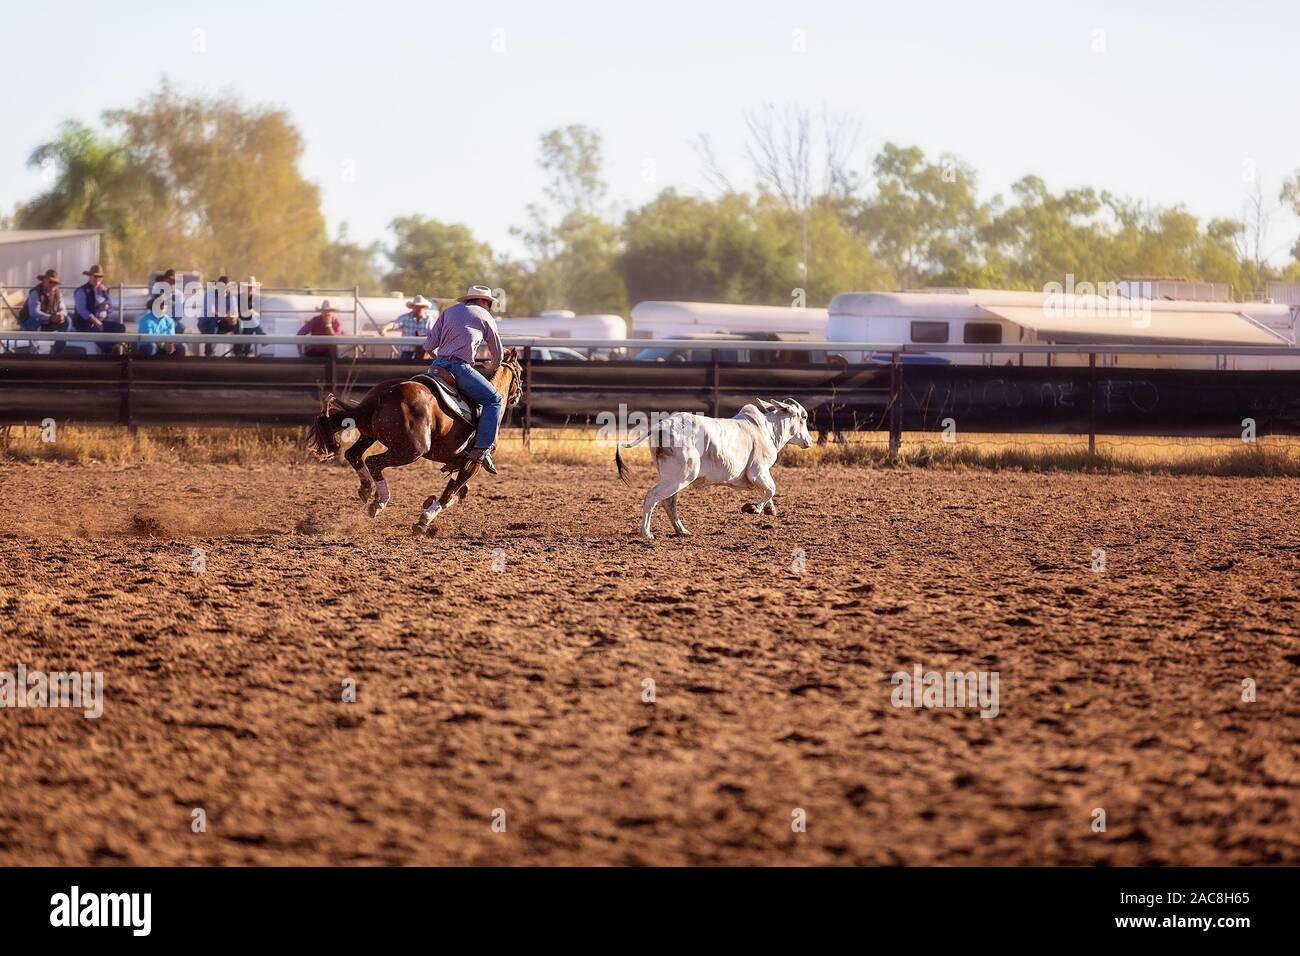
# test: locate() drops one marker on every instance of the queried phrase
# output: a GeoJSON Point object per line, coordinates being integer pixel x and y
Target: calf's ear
{"type": "Point", "coordinates": [764, 404]}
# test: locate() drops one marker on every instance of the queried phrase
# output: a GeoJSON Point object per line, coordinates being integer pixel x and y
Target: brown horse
{"type": "Point", "coordinates": [406, 418]}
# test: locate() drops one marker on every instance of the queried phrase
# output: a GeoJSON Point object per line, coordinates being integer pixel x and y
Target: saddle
{"type": "Point", "coordinates": [443, 385]}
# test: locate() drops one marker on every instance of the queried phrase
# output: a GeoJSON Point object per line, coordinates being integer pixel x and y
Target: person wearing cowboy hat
{"type": "Point", "coordinates": [248, 306]}
{"type": "Point", "coordinates": [44, 310]}
{"type": "Point", "coordinates": [415, 324]}
{"type": "Point", "coordinates": [92, 307]}
{"type": "Point", "coordinates": [324, 322]}
{"type": "Point", "coordinates": [454, 341]}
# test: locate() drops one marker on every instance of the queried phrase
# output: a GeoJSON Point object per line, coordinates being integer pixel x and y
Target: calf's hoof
{"type": "Point", "coordinates": [749, 508]}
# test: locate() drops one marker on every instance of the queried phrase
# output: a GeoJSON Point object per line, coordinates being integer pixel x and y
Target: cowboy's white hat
{"type": "Point", "coordinates": [419, 301]}
{"type": "Point", "coordinates": [478, 292]}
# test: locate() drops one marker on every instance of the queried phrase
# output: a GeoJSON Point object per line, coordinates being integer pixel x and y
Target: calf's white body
{"type": "Point", "coordinates": [737, 451]}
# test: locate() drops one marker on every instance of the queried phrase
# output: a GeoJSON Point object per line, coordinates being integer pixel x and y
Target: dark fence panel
{"type": "Point", "coordinates": [205, 391]}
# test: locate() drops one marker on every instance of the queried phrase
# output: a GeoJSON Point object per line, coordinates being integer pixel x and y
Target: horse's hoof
{"type": "Point", "coordinates": [363, 493]}
{"type": "Point", "coordinates": [375, 508]}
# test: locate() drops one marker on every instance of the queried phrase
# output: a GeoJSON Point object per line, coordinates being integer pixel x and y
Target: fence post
{"type": "Point", "coordinates": [895, 406]}
{"type": "Point", "coordinates": [528, 396]}
{"type": "Point", "coordinates": [714, 384]}
{"type": "Point", "coordinates": [1092, 403]}
{"type": "Point", "coordinates": [125, 412]}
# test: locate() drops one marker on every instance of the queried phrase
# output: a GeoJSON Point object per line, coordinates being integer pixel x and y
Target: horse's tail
{"type": "Point", "coordinates": [323, 439]}
{"type": "Point", "coordinates": [623, 470]}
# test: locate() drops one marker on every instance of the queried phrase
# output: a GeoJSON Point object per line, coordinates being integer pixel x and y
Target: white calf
{"type": "Point", "coordinates": [736, 451]}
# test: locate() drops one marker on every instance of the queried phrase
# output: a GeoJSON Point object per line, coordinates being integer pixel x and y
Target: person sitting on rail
{"type": "Point", "coordinates": [324, 322]}
{"type": "Point", "coordinates": [415, 324]}
{"type": "Point", "coordinates": [177, 296]}
{"type": "Point", "coordinates": [93, 309]}
{"type": "Point", "coordinates": [454, 340]}
{"type": "Point", "coordinates": [220, 312]}
{"type": "Point", "coordinates": [250, 318]}
{"type": "Point", "coordinates": [44, 310]}
{"type": "Point", "coordinates": [157, 320]}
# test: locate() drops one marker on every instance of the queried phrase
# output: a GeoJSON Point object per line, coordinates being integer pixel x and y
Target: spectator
{"type": "Point", "coordinates": [177, 296]}
{"type": "Point", "coordinates": [250, 317]}
{"type": "Point", "coordinates": [220, 312]}
{"type": "Point", "coordinates": [415, 324]}
{"type": "Point", "coordinates": [93, 309]}
{"type": "Point", "coordinates": [323, 322]}
{"type": "Point", "coordinates": [44, 310]}
{"type": "Point", "coordinates": [157, 320]}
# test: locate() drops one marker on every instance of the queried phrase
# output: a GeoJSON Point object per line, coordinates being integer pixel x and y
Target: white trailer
{"type": "Point", "coordinates": [677, 320]}
{"type": "Point", "coordinates": [993, 317]}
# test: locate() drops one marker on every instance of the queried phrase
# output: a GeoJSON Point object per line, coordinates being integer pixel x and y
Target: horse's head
{"type": "Point", "coordinates": [515, 391]}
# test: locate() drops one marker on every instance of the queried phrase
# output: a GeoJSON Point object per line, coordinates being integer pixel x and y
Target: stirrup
{"type": "Point", "coordinates": [484, 457]}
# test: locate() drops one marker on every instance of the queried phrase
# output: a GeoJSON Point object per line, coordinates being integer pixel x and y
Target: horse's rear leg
{"type": "Point", "coordinates": [377, 463]}
{"type": "Point", "coordinates": [354, 456]}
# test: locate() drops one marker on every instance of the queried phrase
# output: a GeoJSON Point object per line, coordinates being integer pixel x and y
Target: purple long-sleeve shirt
{"type": "Point", "coordinates": [460, 330]}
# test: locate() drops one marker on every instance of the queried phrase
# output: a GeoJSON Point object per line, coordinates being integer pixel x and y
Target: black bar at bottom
{"type": "Point", "coordinates": [944, 906]}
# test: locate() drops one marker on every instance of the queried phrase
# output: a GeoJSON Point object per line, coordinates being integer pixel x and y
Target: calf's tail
{"type": "Point", "coordinates": [623, 470]}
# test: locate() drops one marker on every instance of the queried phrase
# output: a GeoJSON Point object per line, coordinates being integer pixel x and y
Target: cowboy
{"type": "Point", "coordinates": [44, 310]}
{"type": "Point", "coordinates": [220, 311]}
{"type": "Point", "coordinates": [415, 324]}
{"type": "Point", "coordinates": [248, 306]}
{"type": "Point", "coordinates": [454, 340]}
{"type": "Point", "coordinates": [92, 307]}
{"type": "Point", "coordinates": [324, 322]}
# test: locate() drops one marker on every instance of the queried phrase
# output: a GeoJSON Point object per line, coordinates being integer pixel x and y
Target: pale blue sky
{"type": "Point", "coordinates": [434, 122]}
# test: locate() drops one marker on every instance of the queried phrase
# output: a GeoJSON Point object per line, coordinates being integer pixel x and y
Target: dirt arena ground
{"type": "Point", "coordinates": [502, 666]}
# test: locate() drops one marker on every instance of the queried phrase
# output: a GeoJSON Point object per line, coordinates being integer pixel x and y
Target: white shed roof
{"type": "Point", "coordinates": [41, 235]}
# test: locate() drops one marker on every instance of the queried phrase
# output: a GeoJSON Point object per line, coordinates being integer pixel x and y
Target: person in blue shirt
{"type": "Point", "coordinates": [157, 320]}
{"type": "Point", "coordinates": [92, 309]}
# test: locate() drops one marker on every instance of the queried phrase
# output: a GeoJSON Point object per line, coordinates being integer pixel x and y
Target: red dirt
{"type": "Point", "coordinates": [521, 688]}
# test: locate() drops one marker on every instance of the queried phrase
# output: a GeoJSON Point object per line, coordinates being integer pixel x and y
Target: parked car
{"type": "Point", "coordinates": [792, 356]}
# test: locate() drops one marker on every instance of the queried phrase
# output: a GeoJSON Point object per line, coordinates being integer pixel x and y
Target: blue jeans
{"type": "Point", "coordinates": [478, 391]}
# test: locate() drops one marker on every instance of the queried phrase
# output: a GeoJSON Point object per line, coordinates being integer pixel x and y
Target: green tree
{"type": "Point", "coordinates": [208, 183]}
{"type": "Point", "coordinates": [219, 185]}
{"type": "Point", "coordinates": [437, 259]}
{"type": "Point", "coordinates": [923, 219]}
{"type": "Point", "coordinates": [573, 249]}
{"type": "Point", "coordinates": [347, 264]}
{"type": "Point", "coordinates": [686, 248]}
{"type": "Point", "coordinates": [85, 192]}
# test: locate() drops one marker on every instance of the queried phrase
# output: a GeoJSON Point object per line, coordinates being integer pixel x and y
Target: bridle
{"type": "Point", "coordinates": [516, 392]}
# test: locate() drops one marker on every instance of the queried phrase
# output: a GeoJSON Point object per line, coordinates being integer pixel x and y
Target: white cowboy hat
{"type": "Point", "coordinates": [325, 306]}
{"type": "Point", "coordinates": [419, 302]}
{"type": "Point", "coordinates": [478, 292]}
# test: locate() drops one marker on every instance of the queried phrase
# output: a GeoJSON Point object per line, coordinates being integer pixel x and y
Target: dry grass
{"type": "Point", "coordinates": [1267, 457]}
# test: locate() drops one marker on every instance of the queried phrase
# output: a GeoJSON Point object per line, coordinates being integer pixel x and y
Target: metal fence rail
{"type": "Point", "coordinates": [889, 395]}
